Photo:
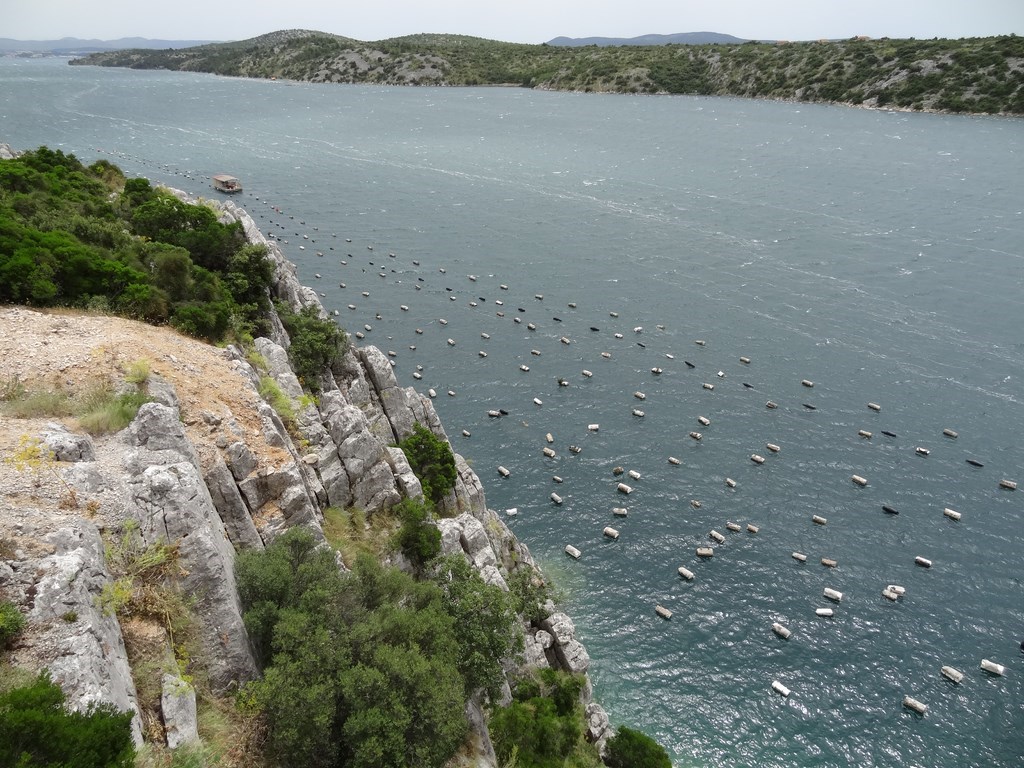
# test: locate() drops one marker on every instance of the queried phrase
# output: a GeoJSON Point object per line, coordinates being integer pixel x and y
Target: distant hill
{"type": "Point", "coordinates": [77, 45]}
{"type": "Point", "coordinates": [979, 75]}
{"type": "Point", "coordinates": [680, 38]}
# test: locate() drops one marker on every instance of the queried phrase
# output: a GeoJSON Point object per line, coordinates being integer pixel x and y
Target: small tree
{"type": "Point", "coordinates": [418, 539]}
{"type": "Point", "coordinates": [633, 749]}
{"type": "Point", "coordinates": [37, 729]}
{"type": "Point", "coordinates": [11, 622]}
{"type": "Point", "coordinates": [432, 460]}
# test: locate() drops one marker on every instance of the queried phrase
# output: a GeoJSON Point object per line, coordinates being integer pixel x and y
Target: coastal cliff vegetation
{"type": "Point", "coordinates": [373, 663]}
{"type": "Point", "coordinates": [973, 75]}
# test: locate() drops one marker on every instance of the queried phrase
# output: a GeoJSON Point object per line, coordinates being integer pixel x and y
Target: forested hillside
{"type": "Point", "coordinates": [981, 75]}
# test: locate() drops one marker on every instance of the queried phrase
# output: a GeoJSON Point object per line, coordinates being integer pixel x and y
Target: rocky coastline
{"type": "Point", "coordinates": [210, 467]}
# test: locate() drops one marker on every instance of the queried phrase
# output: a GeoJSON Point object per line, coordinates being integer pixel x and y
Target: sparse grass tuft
{"type": "Point", "coordinates": [271, 392]}
{"type": "Point", "coordinates": [138, 372]}
{"type": "Point", "coordinates": [99, 408]}
{"type": "Point", "coordinates": [113, 414]}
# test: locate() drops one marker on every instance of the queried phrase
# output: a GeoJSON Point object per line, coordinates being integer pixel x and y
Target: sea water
{"type": "Point", "coordinates": [877, 255]}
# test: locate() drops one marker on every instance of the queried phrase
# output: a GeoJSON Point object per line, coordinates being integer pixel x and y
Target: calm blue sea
{"type": "Point", "coordinates": [878, 255]}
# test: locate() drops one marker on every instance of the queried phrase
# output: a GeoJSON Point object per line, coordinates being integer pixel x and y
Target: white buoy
{"type": "Point", "coordinates": [952, 514]}
{"type": "Point", "coordinates": [572, 552]}
{"type": "Point", "coordinates": [924, 562]}
{"type": "Point", "coordinates": [549, 437]}
{"type": "Point", "coordinates": [403, 307]}
{"type": "Point", "coordinates": [638, 413]}
{"type": "Point", "coordinates": [922, 451]}
{"type": "Point", "coordinates": [538, 401]}
{"type": "Point", "coordinates": [911, 703]}
{"type": "Point", "coordinates": [565, 340]}
{"type": "Point", "coordinates": [699, 342]}
{"type": "Point", "coordinates": [664, 612]}
{"type": "Point", "coordinates": [674, 460]}
{"type": "Point", "coordinates": [451, 342]}
{"type": "Point", "coordinates": [734, 527]}
{"type": "Point", "coordinates": [620, 511]}
{"type": "Point", "coordinates": [503, 472]}
{"type": "Point", "coordinates": [610, 532]}
{"type": "Point", "coordinates": [704, 421]}
{"type": "Point", "coordinates": [613, 314]}
{"type": "Point", "coordinates": [818, 520]}
{"type": "Point", "coordinates": [897, 589]}
{"type": "Point", "coordinates": [548, 452]}
{"type": "Point", "coordinates": [992, 667]}
{"type": "Point", "coordinates": [888, 594]}
{"type": "Point", "coordinates": [823, 612]}
{"type": "Point", "coordinates": [556, 498]}
{"type": "Point", "coordinates": [696, 435]}
{"type": "Point", "coordinates": [949, 433]}
{"type": "Point", "coordinates": [800, 557]}
{"type": "Point", "coordinates": [639, 395]}
{"type": "Point", "coordinates": [828, 562]}
{"type": "Point", "coordinates": [623, 488]}
{"type": "Point", "coordinates": [634, 474]}
{"type": "Point", "coordinates": [524, 368]}
{"type": "Point", "coordinates": [780, 689]}
{"type": "Point", "coordinates": [1009, 485]}
{"type": "Point", "coordinates": [587, 373]}
{"type": "Point", "coordinates": [695, 503]}
{"type": "Point", "coordinates": [708, 386]}
{"type": "Point", "coordinates": [716, 536]}
{"type": "Point", "coordinates": [417, 375]}
{"type": "Point", "coordinates": [781, 630]}
{"type": "Point", "coordinates": [751, 528]}
{"type": "Point", "coordinates": [606, 355]}
{"type": "Point", "coordinates": [833, 594]}
{"type": "Point", "coordinates": [686, 573]}
{"type": "Point", "coordinates": [757, 458]}
{"type": "Point", "coordinates": [705, 552]}
{"type": "Point", "coordinates": [730, 482]}
{"type": "Point", "coordinates": [656, 371]}
{"type": "Point", "coordinates": [864, 433]}
{"type": "Point", "coordinates": [465, 433]}
{"type": "Point", "coordinates": [512, 511]}
{"type": "Point", "coordinates": [874, 406]}
{"type": "Point", "coordinates": [772, 447]}
{"type": "Point", "coordinates": [721, 374]}
{"type": "Point", "coordinates": [494, 414]}
{"type": "Point", "coordinates": [556, 478]}
{"type": "Point", "coordinates": [859, 480]}
{"type": "Point", "coordinates": [807, 383]}
{"type": "Point", "coordinates": [482, 353]}
{"type": "Point", "coordinates": [953, 674]}
{"type": "Point", "coordinates": [771, 405]}
{"type": "Point", "coordinates": [432, 392]}
{"type": "Point", "coordinates": [531, 327]}
{"type": "Point", "coordinates": [745, 360]}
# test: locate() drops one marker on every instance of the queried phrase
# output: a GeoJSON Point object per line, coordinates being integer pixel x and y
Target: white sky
{"type": "Point", "coordinates": [527, 21]}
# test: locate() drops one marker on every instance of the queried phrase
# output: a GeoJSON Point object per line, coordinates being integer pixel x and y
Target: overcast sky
{"type": "Point", "coordinates": [527, 21]}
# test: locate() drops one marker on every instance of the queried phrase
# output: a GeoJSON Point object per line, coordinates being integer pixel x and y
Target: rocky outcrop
{"type": "Point", "coordinates": [211, 480]}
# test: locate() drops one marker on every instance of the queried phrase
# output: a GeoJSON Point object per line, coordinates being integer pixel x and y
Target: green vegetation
{"type": "Point", "coordinates": [12, 621]}
{"type": "Point", "coordinates": [368, 668]}
{"type": "Point", "coordinates": [633, 749]}
{"type": "Point", "coordinates": [37, 729]}
{"type": "Point", "coordinates": [543, 726]}
{"type": "Point", "coordinates": [84, 237]}
{"type": "Point", "coordinates": [417, 538]}
{"type": "Point", "coordinates": [432, 460]}
{"type": "Point", "coordinates": [316, 343]}
{"type": "Point", "coordinates": [983, 75]}
{"type": "Point", "coordinates": [98, 407]}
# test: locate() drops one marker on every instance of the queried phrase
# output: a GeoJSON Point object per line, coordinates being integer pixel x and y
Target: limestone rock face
{"type": "Point", "coordinates": [88, 658]}
{"type": "Point", "coordinates": [227, 500]}
{"type": "Point", "coordinates": [178, 706]}
{"type": "Point", "coordinates": [68, 446]}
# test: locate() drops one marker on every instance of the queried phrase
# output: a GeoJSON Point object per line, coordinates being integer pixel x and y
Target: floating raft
{"type": "Point", "coordinates": [800, 557]}
{"type": "Point", "coordinates": [781, 630]}
{"type": "Point", "coordinates": [757, 458]}
{"type": "Point", "coordinates": [503, 472]}
{"type": "Point", "coordinates": [780, 689]}
{"type": "Point", "coordinates": [826, 612]}
{"type": "Point", "coordinates": [953, 674]}
{"type": "Point", "coordinates": [623, 488]}
{"type": "Point", "coordinates": [993, 668]}
{"type": "Point", "coordinates": [611, 533]}
{"type": "Point", "coordinates": [572, 552]}
{"type": "Point", "coordinates": [730, 482]}
{"type": "Point", "coordinates": [686, 573]}
{"type": "Point", "coordinates": [751, 528]}
{"type": "Point", "coordinates": [705, 552]}
{"type": "Point", "coordinates": [716, 536]}
{"type": "Point", "coordinates": [911, 703]}
{"type": "Point", "coordinates": [662, 611]}
{"type": "Point", "coordinates": [833, 594]}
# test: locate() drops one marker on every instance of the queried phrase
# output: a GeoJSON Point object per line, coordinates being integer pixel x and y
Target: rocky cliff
{"type": "Point", "coordinates": [208, 469]}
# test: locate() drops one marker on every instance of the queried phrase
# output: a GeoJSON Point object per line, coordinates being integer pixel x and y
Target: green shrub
{"type": "Point", "coordinates": [12, 621]}
{"type": "Point", "coordinates": [418, 539]}
{"type": "Point", "coordinates": [316, 343]}
{"type": "Point", "coordinates": [544, 725]}
{"type": "Point", "coordinates": [633, 749]}
{"type": "Point", "coordinates": [37, 729]}
{"type": "Point", "coordinates": [432, 460]}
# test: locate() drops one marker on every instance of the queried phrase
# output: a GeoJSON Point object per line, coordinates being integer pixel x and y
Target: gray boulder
{"type": "Point", "coordinates": [68, 446]}
{"type": "Point", "coordinates": [178, 707]}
